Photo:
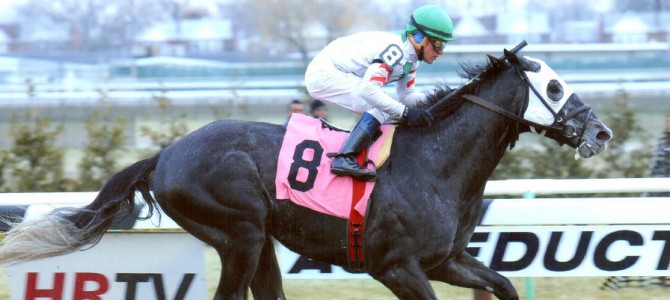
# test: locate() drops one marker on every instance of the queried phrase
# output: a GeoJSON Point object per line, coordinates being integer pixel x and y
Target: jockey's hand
{"type": "Point", "coordinates": [418, 117]}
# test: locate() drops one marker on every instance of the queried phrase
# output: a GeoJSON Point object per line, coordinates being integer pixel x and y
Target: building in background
{"type": "Point", "coordinates": [171, 38]}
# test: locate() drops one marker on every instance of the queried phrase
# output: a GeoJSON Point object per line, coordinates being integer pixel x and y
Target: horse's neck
{"type": "Point", "coordinates": [478, 143]}
{"type": "Point", "coordinates": [468, 145]}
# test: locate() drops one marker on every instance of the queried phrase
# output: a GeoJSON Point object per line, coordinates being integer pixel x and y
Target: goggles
{"type": "Point", "coordinates": [438, 45]}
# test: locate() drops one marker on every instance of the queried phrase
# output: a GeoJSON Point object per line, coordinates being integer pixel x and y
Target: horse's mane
{"type": "Point", "coordinates": [443, 101]}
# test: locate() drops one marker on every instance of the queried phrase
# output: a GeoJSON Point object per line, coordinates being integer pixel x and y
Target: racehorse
{"type": "Point", "coordinates": [218, 184]}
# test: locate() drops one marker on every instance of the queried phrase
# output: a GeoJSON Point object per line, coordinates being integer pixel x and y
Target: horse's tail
{"type": "Point", "coordinates": [65, 231]}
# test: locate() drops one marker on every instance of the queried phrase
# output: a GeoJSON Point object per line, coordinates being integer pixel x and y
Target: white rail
{"type": "Point", "coordinates": [576, 186]}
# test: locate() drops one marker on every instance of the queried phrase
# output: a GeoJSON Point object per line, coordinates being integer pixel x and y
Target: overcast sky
{"type": "Point", "coordinates": [476, 7]}
{"type": "Point", "coordinates": [7, 9]}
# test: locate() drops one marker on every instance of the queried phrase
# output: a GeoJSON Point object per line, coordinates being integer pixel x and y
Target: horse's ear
{"type": "Point", "coordinates": [521, 62]}
{"type": "Point", "coordinates": [494, 61]}
{"type": "Point", "coordinates": [511, 57]}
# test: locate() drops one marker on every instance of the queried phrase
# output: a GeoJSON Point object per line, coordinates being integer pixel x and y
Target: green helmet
{"type": "Point", "coordinates": [431, 21]}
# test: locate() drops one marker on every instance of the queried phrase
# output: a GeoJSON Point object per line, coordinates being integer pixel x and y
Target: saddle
{"type": "Point", "coordinates": [326, 124]}
{"type": "Point", "coordinates": [303, 174]}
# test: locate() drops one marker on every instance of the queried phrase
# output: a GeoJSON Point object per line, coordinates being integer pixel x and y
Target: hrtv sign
{"type": "Point", "coordinates": [94, 286]}
{"type": "Point", "coordinates": [123, 266]}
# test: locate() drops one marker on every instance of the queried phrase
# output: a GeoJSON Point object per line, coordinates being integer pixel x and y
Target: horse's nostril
{"type": "Point", "coordinates": [603, 136]}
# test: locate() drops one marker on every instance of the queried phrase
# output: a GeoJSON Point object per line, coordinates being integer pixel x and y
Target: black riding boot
{"type": "Point", "coordinates": [345, 163]}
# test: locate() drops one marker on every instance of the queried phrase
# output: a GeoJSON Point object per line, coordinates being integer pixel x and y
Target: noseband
{"type": "Point", "coordinates": [559, 130]}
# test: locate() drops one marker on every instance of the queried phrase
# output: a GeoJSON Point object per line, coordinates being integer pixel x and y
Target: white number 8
{"type": "Point", "coordinates": [392, 55]}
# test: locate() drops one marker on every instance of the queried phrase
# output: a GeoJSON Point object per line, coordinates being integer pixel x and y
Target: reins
{"type": "Point", "coordinates": [559, 129]}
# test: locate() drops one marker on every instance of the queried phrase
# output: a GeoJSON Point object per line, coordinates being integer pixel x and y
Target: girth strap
{"type": "Point", "coordinates": [356, 223]}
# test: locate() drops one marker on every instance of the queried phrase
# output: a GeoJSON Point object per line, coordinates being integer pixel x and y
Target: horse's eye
{"type": "Point", "coordinates": [555, 90]}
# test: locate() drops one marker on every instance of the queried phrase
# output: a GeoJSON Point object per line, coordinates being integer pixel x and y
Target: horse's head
{"type": "Point", "coordinates": [556, 111]}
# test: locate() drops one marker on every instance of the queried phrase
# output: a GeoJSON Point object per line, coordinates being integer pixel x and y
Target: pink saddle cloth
{"type": "Point", "coordinates": [303, 169]}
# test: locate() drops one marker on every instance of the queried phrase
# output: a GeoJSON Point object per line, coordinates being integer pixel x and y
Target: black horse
{"type": "Point", "coordinates": [218, 184]}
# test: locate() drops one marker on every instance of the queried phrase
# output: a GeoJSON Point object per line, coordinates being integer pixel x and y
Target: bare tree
{"type": "Point", "coordinates": [94, 24]}
{"type": "Point", "coordinates": [290, 21]}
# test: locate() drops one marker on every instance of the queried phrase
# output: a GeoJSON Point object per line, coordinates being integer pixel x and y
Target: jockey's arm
{"type": "Point", "coordinates": [407, 94]}
{"type": "Point", "coordinates": [370, 89]}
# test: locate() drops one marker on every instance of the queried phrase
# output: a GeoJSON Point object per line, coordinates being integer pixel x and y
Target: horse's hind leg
{"type": "Point", "coordinates": [466, 271]}
{"type": "Point", "coordinates": [238, 255]}
{"type": "Point", "coordinates": [226, 208]}
{"type": "Point", "coordinates": [267, 283]}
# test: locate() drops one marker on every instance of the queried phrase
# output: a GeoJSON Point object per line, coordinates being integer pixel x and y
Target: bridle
{"type": "Point", "coordinates": [559, 130]}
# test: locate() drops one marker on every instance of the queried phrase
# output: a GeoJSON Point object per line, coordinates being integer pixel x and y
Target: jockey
{"type": "Point", "coordinates": [351, 71]}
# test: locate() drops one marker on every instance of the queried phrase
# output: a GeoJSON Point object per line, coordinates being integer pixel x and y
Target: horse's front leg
{"type": "Point", "coordinates": [267, 282]}
{"type": "Point", "coordinates": [466, 271]}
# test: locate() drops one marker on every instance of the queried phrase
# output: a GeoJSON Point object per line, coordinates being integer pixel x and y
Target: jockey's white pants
{"type": "Point", "coordinates": [326, 82]}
